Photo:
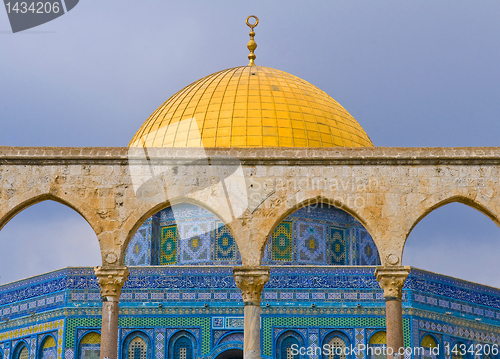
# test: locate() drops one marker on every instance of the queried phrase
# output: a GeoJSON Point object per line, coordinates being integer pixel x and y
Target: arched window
{"type": "Point", "coordinates": [336, 347]}
{"type": "Point", "coordinates": [137, 348]}
{"type": "Point", "coordinates": [232, 337]}
{"type": "Point", "coordinates": [48, 349]}
{"type": "Point", "coordinates": [90, 346]}
{"type": "Point", "coordinates": [183, 348]}
{"type": "Point", "coordinates": [22, 351]}
{"type": "Point", "coordinates": [428, 343]}
{"type": "Point", "coordinates": [459, 350]}
{"type": "Point", "coordinates": [335, 343]}
{"type": "Point", "coordinates": [376, 345]}
{"type": "Point", "coordinates": [182, 345]}
{"type": "Point", "coordinates": [287, 348]}
{"type": "Point", "coordinates": [287, 344]}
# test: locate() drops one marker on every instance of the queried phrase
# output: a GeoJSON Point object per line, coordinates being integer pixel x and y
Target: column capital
{"type": "Point", "coordinates": [391, 280]}
{"type": "Point", "coordinates": [251, 281]}
{"type": "Point", "coordinates": [111, 281]}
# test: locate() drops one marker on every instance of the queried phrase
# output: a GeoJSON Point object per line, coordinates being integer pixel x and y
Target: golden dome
{"type": "Point", "coordinates": [251, 106]}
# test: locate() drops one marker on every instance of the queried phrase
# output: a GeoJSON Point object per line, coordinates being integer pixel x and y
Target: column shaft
{"type": "Point", "coordinates": [392, 279]}
{"type": "Point", "coordinates": [111, 281]}
{"type": "Point", "coordinates": [394, 324]}
{"type": "Point", "coordinates": [109, 330]}
{"type": "Point", "coordinates": [251, 345]}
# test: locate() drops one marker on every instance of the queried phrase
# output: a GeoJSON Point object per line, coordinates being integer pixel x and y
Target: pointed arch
{"type": "Point", "coordinates": [318, 200]}
{"type": "Point", "coordinates": [336, 341]}
{"type": "Point", "coordinates": [284, 343]}
{"type": "Point", "coordinates": [21, 351]}
{"type": "Point", "coordinates": [89, 346]}
{"type": "Point", "coordinates": [378, 338]}
{"type": "Point", "coordinates": [20, 203]}
{"type": "Point", "coordinates": [439, 200]}
{"type": "Point", "coordinates": [462, 347]}
{"type": "Point", "coordinates": [286, 208]}
{"type": "Point", "coordinates": [141, 215]}
{"type": "Point", "coordinates": [429, 340]}
{"type": "Point", "coordinates": [376, 345]}
{"type": "Point", "coordinates": [48, 347]}
{"type": "Point", "coordinates": [318, 233]}
{"type": "Point", "coordinates": [137, 345]}
{"type": "Point", "coordinates": [233, 336]}
{"type": "Point", "coordinates": [182, 345]}
{"type": "Point", "coordinates": [47, 229]}
{"type": "Point", "coordinates": [183, 233]}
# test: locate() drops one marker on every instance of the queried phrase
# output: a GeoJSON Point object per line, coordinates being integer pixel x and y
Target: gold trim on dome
{"type": "Point", "coordinates": [251, 106]}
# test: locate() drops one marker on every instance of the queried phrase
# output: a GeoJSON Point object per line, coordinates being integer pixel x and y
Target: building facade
{"type": "Point", "coordinates": [197, 311]}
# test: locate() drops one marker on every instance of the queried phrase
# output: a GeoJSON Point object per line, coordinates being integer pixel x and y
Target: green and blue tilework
{"type": "Point", "coordinates": [183, 234]}
{"type": "Point", "coordinates": [225, 248]}
{"type": "Point", "coordinates": [139, 249]}
{"type": "Point", "coordinates": [188, 234]}
{"type": "Point", "coordinates": [168, 245]}
{"type": "Point", "coordinates": [282, 242]}
{"type": "Point", "coordinates": [202, 322]}
{"type": "Point", "coordinates": [337, 246]}
{"type": "Point", "coordinates": [320, 235]}
{"type": "Point", "coordinates": [290, 322]}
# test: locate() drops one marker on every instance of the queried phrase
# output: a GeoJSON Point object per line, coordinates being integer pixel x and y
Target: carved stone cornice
{"type": "Point", "coordinates": [391, 280]}
{"type": "Point", "coordinates": [251, 281]}
{"type": "Point", "coordinates": [111, 280]}
{"type": "Point", "coordinates": [364, 156]}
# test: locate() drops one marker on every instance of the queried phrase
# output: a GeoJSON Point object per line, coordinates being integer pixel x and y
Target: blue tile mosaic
{"type": "Point", "coordinates": [320, 235]}
{"type": "Point", "coordinates": [183, 234]}
{"type": "Point", "coordinates": [336, 291]}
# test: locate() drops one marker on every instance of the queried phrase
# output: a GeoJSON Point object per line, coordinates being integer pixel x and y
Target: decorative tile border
{"type": "Point", "coordinates": [32, 329]}
{"type": "Point", "coordinates": [202, 322]}
{"type": "Point", "coordinates": [459, 331]}
{"type": "Point", "coordinates": [35, 329]}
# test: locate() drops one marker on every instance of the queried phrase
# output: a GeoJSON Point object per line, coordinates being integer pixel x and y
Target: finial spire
{"type": "Point", "coordinates": [252, 45]}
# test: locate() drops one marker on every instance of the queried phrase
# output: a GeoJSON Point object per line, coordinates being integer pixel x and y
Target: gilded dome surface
{"type": "Point", "coordinates": [251, 106]}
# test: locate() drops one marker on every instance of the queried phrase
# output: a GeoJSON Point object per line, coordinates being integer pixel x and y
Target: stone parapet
{"type": "Point", "coordinates": [275, 156]}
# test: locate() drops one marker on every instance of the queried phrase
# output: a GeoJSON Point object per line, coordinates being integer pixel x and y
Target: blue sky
{"type": "Point", "coordinates": [421, 73]}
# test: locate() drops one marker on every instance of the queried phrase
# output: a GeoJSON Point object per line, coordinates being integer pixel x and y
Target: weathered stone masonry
{"type": "Point", "coordinates": [389, 190]}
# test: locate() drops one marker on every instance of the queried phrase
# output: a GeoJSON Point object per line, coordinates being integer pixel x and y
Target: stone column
{"type": "Point", "coordinates": [392, 280]}
{"type": "Point", "coordinates": [111, 281]}
{"type": "Point", "coordinates": [251, 281]}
